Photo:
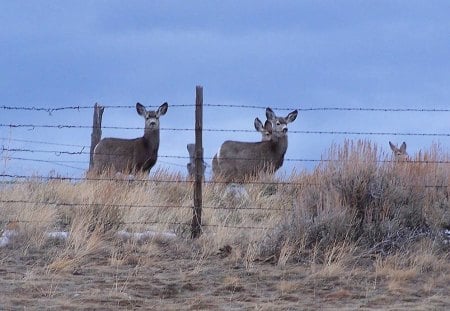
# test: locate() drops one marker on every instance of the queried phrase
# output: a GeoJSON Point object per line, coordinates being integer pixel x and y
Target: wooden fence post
{"type": "Point", "coordinates": [191, 164]}
{"type": "Point", "coordinates": [96, 135]}
{"type": "Point", "coordinates": [196, 226]}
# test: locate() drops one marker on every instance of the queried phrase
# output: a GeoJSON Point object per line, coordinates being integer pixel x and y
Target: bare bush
{"type": "Point", "coordinates": [365, 197]}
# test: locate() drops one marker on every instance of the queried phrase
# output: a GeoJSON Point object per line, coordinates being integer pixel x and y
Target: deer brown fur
{"type": "Point", "coordinates": [259, 127]}
{"type": "Point", "coordinates": [131, 155]}
{"type": "Point", "coordinates": [239, 160]}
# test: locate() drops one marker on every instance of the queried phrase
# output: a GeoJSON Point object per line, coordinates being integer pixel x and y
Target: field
{"type": "Point", "coordinates": [359, 232]}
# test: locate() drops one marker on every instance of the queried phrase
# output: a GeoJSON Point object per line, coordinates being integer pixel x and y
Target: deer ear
{"type": "Point", "coordinates": [258, 125]}
{"type": "Point", "coordinates": [403, 147]}
{"type": "Point", "coordinates": [393, 147]}
{"type": "Point", "coordinates": [140, 109]}
{"type": "Point", "coordinates": [292, 116]}
{"type": "Point", "coordinates": [270, 115]}
{"type": "Point", "coordinates": [268, 126]}
{"type": "Point", "coordinates": [162, 109]}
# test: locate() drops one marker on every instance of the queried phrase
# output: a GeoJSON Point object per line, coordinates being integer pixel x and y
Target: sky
{"type": "Point", "coordinates": [281, 54]}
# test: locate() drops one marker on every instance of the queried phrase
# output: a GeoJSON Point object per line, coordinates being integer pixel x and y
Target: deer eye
{"type": "Point", "coordinates": [278, 123]}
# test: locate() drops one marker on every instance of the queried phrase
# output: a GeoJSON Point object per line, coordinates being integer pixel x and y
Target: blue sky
{"type": "Point", "coordinates": [279, 54]}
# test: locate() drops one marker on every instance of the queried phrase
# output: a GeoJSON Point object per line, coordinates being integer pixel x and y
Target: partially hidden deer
{"type": "Point", "coordinates": [237, 160]}
{"type": "Point", "coordinates": [400, 154]}
{"type": "Point", "coordinates": [259, 127]}
{"type": "Point", "coordinates": [130, 156]}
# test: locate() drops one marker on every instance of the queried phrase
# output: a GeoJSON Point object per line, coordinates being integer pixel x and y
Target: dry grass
{"type": "Point", "coordinates": [356, 232]}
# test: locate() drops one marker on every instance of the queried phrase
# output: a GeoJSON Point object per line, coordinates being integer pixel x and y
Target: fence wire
{"type": "Point", "coordinates": [324, 109]}
{"type": "Point", "coordinates": [155, 222]}
{"type": "Point", "coordinates": [357, 133]}
{"type": "Point", "coordinates": [41, 142]}
{"type": "Point", "coordinates": [167, 206]}
{"type": "Point", "coordinates": [127, 179]}
{"type": "Point", "coordinates": [83, 152]}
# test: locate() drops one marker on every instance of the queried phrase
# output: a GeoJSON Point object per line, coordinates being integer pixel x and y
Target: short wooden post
{"type": "Point", "coordinates": [191, 164]}
{"type": "Point", "coordinates": [196, 227]}
{"type": "Point", "coordinates": [96, 135]}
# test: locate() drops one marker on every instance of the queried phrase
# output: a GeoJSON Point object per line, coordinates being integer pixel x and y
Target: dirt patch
{"type": "Point", "coordinates": [164, 281]}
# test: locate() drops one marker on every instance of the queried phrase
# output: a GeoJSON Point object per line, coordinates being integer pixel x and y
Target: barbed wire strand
{"type": "Point", "coordinates": [7, 157]}
{"type": "Point", "coordinates": [50, 110]}
{"type": "Point", "coordinates": [153, 222]}
{"type": "Point", "coordinates": [82, 152]}
{"type": "Point", "coordinates": [184, 181]}
{"type": "Point", "coordinates": [62, 162]}
{"type": "Point", "coordinates": [127, 180]}
{"type": "Point", "coordinates": [57, 163]}
{"type": "Point", "coordinates": [68, 204]}
{"type": "Point", "coordinates": [68, 126]}
{"type": "Point", "coordinates": [41, 142]}
{"type": "Point", "coordinates": [357, 109]}
{"type": "Point", "coordinates": [358, 133]}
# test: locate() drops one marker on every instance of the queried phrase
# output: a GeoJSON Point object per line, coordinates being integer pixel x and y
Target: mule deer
{"type": "Point", "coordinates": [238, 160]}
{"type": "Point", "coordinates": [400, 154]}
{"type": "Point", "coordinates": [131, 155]}
{"type": "Point", "coordinates": [265, 136]}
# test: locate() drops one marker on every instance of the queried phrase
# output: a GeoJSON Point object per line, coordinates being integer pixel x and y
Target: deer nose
{"type": "Point", "coordinates": [285, 130]}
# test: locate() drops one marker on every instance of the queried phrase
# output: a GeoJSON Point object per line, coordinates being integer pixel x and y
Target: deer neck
{"type": "Point", "coordinates": [279, 144]}
{"type": "Point", "coordinates": [151, 138]}
{"type": "Point", "coordinates": [279, 148]}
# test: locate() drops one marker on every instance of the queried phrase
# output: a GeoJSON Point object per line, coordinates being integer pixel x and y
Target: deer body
{"type": "Point", "coordinates": [265, 136]}
{"type": "Point", "coordinates": [238, 160]}
{"type": "Point", "coordinates": [131, 155]}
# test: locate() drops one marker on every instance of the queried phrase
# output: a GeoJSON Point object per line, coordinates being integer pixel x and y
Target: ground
{"type": "Point", "coordinates": [173, 276]}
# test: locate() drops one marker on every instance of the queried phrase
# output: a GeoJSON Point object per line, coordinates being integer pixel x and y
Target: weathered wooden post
{"type": "Point", "coordinates": [191, 164]}
{"type": "Point", "coordinates": [196, 226]}
{"type": "Point", "coordinates": [96, 135]}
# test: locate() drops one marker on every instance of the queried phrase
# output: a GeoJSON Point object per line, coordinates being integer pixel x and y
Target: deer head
{"type": "Point", "coordinates": [151, 117]}
{"type": "Point", "coordinates": [400, 154]}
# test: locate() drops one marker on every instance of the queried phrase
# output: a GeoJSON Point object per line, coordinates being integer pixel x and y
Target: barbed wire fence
{"type": "Point", "coordinates": [78, 149]}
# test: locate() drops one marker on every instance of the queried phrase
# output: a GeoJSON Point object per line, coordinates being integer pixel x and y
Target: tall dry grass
{"type": "Point", "coordinates": [356, 204]}
{"type": "Point", "coordinates": [363, 197]}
